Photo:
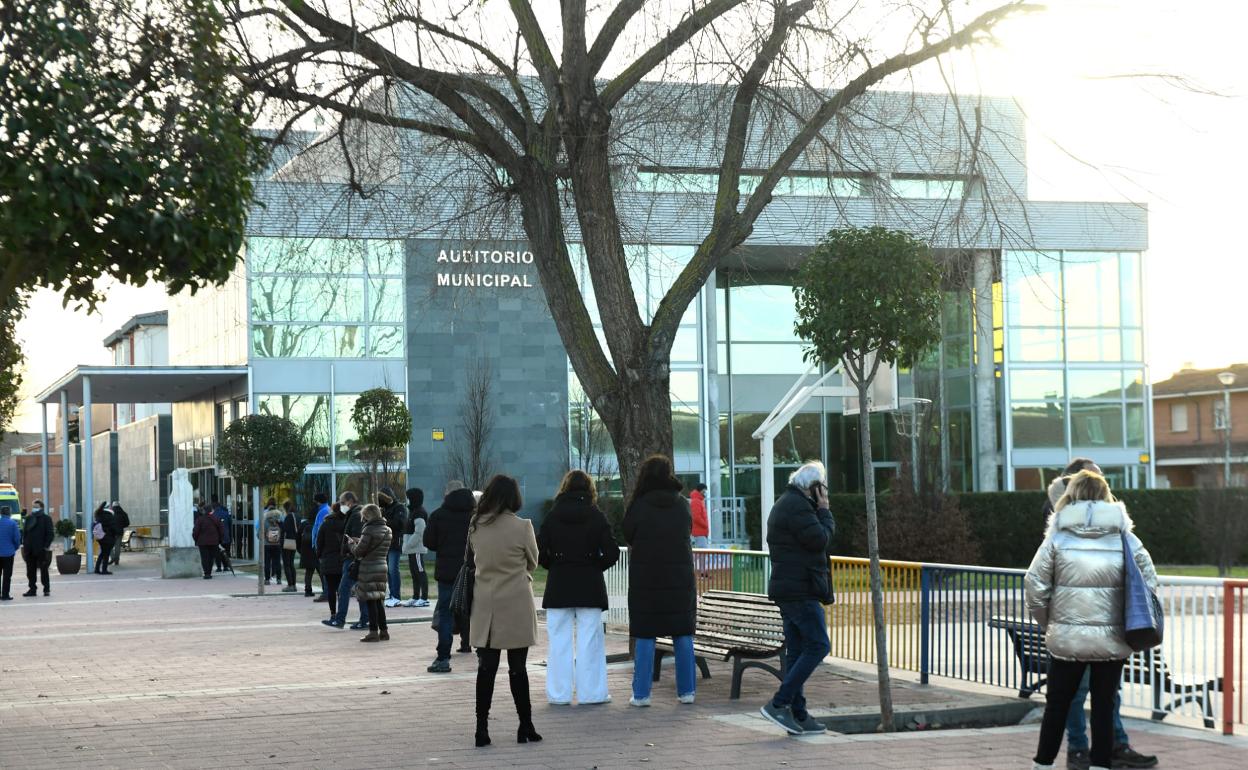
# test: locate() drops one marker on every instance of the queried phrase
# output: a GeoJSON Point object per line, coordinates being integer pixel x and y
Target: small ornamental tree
{"type": "Point", "coordinates": [262, 450]}
{"type": "Point", "coordinates": [866, 297]}
{"type": "Point", "coordinates": [383, 426]}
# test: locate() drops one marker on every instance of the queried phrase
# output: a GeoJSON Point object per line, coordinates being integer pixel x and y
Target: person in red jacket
{"type": "Point", "coordinates": [701, 525]}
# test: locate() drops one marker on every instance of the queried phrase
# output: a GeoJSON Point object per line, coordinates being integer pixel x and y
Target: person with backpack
{"type": "Point", "coordinates": [121, 521]}
{"type": "Point", "coordinates": [1074, 589]}
{"type": "Point", "coordinates": [104, 533]}
{"type": "Point", "coordinates": [271, 536]}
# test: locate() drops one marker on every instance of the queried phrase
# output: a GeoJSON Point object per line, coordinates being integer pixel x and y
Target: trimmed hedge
{"type": "Point", "coordinates": [1009, 527]}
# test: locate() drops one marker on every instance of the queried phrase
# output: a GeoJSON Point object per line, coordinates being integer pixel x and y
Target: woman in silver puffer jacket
{"type": "Point", "coordinates": [1074, 590]}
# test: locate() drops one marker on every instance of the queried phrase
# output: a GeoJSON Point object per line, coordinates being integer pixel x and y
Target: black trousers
{"type": "Point", "coordinates": [331, 590]}
{"type": "Point", "coordinates": [308, 572]}
{"type": "Point", "coordinates": [37, 566]}
{"type": "Point", "coordinates": [207, 556]}
{"type": "Point", "coordinates": [219, 560]}
{"type": "Point", "coordinates": [288, 566]}
{"type": "Point", "coordinates": [6, 574]}
{"type": "Point", "coordinates": [272, 562]}
{"type": "Point", "coordinates": [1064, 679]}
{"type": "Point", "coordinates": [106, 553]}
{"type": "Point", "coordinates": [420, 578]}
{"type": "Point", "coordinates": [376, 615]}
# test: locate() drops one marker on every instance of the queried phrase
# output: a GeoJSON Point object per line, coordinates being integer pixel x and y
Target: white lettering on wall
{"type": "Point", "coordinates": [468, 277]}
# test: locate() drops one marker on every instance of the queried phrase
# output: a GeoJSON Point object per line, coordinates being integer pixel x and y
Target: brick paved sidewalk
{"type": "Point", "coordinates": [135, 672]}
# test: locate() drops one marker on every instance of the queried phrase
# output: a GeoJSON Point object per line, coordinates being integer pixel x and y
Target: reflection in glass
{"type": "Point", "coordinates": [1094, 344]}
{"type": "Point", "coordinates": [1035, 344]}
{"type": "Point", "coordinates": [385, 299]}
{"type": "Point", "coordinates": [307, 298]}
{"type": "Point", "coordinates": [1034, 288]}
{"type": "Point", "coordinates": [762, 358]}
{"type": "Point", "coordinates": [685, 345]}
{"type": "Point", "coordinates": [309, 413]}
{"type": "Point", "coordinates": [1132, 345]}
{"type": "Point", "coordinates": [762, 313]}
{"type": "Point", "coordinates": [384, 257]}
{"type": "Point", "coordinates": [1129, 268]}
{"type": "Point", "coordinates": [1092, 288]}
{"type": "Point", "coordinates": [344, 432]}
{"type": "Point", "coordinates": [385, 341]}
{"type": "Point", "coordinates": [1095, 383]}
{"type": "Point", "coordinates": [1135, 425]}
{"type": "Point", "coordinates": [1039, 425]}
{"type": "Point", "coordinates": [1096, 425]}
{"type": "Point", "coordinates": [1036, 385]}
{"type": "Point", "coordinates": [1133, 380]}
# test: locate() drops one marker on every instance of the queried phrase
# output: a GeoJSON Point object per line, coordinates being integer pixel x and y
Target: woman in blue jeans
{"type": "Point", "coordinates": [662, 596]}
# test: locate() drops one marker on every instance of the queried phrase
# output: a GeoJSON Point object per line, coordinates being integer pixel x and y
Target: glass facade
{"type": "Point", "coordinates": [325, 297]}
{"type": "Point", "coordinates": [1076, 360]}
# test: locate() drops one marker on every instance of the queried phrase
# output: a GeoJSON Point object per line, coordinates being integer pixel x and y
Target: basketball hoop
{"type": "Point", "coordinates": [909, 415]}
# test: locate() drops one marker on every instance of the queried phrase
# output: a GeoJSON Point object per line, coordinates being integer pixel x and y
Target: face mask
{"type": "Point", "coordinates": [38, 509]}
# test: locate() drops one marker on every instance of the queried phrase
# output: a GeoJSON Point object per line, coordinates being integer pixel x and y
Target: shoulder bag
{"type": "Point", "coordinates": [462, 589]}
{"type": "Point", "coordinates": [1143, 619]}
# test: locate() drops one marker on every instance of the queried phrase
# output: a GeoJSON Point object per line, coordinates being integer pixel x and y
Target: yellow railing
{"type": "Point", "coordinates": [850, 621]}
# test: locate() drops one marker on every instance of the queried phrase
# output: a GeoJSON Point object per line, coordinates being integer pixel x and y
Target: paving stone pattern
{"type": "Point", "coordinates": [138, 672]}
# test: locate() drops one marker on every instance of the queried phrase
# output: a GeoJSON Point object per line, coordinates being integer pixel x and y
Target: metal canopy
{"type": "Point", "coordinates": [141, 384]}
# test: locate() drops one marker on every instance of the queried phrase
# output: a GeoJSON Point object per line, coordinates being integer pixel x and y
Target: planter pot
{"type": "Point", "coordinates": [69, 564]}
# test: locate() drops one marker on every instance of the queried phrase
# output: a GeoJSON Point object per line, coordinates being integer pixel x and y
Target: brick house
{"type": "Point", "coordinates": [1190, 424]}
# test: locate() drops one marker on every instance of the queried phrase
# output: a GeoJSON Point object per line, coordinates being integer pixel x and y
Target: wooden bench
{"type": "Point", "coordinates": [744, 628]}
{"type": "Point", "coordinates": [1146, 668]}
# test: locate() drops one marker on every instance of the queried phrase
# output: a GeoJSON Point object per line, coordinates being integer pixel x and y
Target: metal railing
{"type": "Point", "coordinates": [971, 623]}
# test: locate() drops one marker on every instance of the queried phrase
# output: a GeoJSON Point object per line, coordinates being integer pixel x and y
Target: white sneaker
{"type": "Point", "coordinates": [639, 702]}
{"type": "Point", "coordinates": [422, 603]}
{"type": "Point", "coordinates": [686, 698]}
{"type": "Point", "coordinates": [410, 603]}
{"type": "Point", "coordinates": [392, 602]}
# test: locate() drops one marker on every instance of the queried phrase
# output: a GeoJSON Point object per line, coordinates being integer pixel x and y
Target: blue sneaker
{"type": "Point", "coordinates": [332, 623]}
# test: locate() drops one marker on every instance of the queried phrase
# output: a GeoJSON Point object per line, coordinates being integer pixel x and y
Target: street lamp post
{"type": "Point", "coordinates": [1227, 379]}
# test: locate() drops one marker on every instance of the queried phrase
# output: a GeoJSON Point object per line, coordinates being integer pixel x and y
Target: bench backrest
{"type": "Point", "coordinates": [752, 618]}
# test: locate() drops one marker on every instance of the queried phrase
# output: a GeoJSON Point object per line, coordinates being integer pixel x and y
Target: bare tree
{"type": "Point", "coordinates": [471, 454]}
{"type": "Point", "coordinates": [556, 123]}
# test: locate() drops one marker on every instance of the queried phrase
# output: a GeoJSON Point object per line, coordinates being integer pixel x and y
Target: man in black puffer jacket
{"type": "Point", "coordinates": [799, 537]}
{"type": "Point", "coordinates": [447, 535]}
{"type": "Point", "coordinates": [395, 514]}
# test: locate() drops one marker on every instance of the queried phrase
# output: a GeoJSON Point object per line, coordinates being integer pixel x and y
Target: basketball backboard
{"type": "Point", "coordinates": [882, 396]}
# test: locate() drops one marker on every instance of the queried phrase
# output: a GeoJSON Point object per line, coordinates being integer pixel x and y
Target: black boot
{"type": "Point", "coordinates": [519, 681]}
{"type": "Point", "coordinates": [485, 695]}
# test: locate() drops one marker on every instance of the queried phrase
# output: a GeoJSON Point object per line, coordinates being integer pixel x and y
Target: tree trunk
{"type": "Point", "coordinates": [873, 551]}
{"type": "Point", "coordinates": [639, 418]}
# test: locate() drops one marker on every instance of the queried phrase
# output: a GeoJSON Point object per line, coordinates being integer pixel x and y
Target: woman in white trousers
{"type": "Point", "coordinates": [575, 546]}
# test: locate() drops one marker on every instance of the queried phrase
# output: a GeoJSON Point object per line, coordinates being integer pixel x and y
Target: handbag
{"type": "Point", "coordinates": [1143, 619]}
{"type": "Point", "coordinates": [462, 589]}
{"type": "Point", "coordinates": [290, 544]}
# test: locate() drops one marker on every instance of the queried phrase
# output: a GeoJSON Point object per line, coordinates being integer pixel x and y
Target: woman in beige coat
{"type": "Point", "coordinates": [504, 552]}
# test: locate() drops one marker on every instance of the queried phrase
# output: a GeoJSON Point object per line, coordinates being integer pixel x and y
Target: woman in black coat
{"type": "Point", "coordinates": [575, 546]}
{"type": "Point", "coordinates": [329, 555]}
{"type": "Point", "coordinates": [662, 595]}
{"type": "Point", "coordinates": [307, 550]}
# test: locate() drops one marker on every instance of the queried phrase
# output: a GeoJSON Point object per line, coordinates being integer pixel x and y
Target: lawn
{"type": "Point", "coordinates": [1199, 570]}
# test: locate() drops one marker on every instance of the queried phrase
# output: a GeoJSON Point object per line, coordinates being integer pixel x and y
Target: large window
{"type": "Point", "coordinates": [1075, 343]}
{"type": "Point", "coordinates": [326, 298]}
{"type": "Point", "coordinates": [707, 182]}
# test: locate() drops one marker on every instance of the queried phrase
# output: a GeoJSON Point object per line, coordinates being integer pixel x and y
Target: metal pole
{"type": "Point", "coordinates": [88, 483]}
{"type": "Point", "coordinates": [255, 494]}
{"type": "Point", "coordinates": [1226, 414]}
{"type": "Point", "coordinates": [43, 456]}
{"type": "Point", "coordinates": [66, 507]}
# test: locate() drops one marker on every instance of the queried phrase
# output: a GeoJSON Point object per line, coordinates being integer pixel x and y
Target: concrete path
{"type": "Point", "coordinates": [131, 671]}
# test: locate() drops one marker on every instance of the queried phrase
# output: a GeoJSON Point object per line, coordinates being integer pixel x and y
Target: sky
{"type": "Point", "coordinates": [1092, 135]}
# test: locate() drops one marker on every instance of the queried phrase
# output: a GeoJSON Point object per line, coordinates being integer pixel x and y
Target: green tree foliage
{"type": "Point", "coordinates": [11, 358]}
{"type": "Point", "coordinates": [126, 150]}
{"type": "Point", "coordinates": [383, 426]}
{"type": "Point", "coordinates": [868, 296]}
{"type": "Point", "coordinates": [262, 450]}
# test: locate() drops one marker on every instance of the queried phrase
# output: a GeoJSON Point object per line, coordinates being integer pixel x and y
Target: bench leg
{"type": "Point", "coordinates": [705, 669]}
{"type": "Point", "coordinates": [737, 671]}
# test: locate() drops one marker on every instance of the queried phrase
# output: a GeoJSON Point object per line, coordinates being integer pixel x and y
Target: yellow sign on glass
{"type": "Point", "coordinates": [439, 434]}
